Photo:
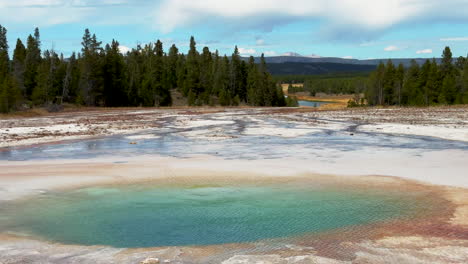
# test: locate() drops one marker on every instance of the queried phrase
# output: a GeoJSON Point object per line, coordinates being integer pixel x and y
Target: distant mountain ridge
{"type": "Point", "coordinates": [317, 68]}
{"type": "Point", "coordinates": [297, 58]}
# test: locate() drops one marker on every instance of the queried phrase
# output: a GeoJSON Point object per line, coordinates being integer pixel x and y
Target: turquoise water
{"type": "Point", "coordinates": [151, 216]}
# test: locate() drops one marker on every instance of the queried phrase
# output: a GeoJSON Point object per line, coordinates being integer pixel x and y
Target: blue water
{"type": "Point", "coordinates": [312, 103]}
{"type": "Point", "coordinates": [150, 216]}
{"type": "Point", "coordinates": [170, 143]}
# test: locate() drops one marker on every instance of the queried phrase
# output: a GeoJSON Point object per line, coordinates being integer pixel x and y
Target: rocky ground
{"type": "Point", "coordinates": [443, 122]}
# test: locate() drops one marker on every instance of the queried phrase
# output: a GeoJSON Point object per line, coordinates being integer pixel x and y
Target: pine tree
{"type": "Point", "coordinates": [19, 58]}
{"type": "Point", "coordinates": [424, 81]}
{"type": "Point", "coordinates": [432, 84]}
{"type": "Point", "coordinates": [172, 66]}
{"type": "Point", "coordinates": [253, 96]}
{"type": "Point", "coordinates": [448, 91]}
{"type": "Point", "coordinates": [192, 81]}
{"type": "Point", "coordinates": [221, 81]}
{"type": "Point", "coordinates": [162, 89]}
{"type": "Point", "coordinates": [37, 37]}
{"type": "Point", "coordinates": [114, 78]}
{"type": "Point", "coordinates": [374, 94]}
{"type": "Point", "coordinates": [70, 81]}
{"type": "Point", "coordinates": [400, 75]}
{"type": "Point", "coordinates": [32, 62]}
{"type": "Point", "coordinates": [460, 63]}
{"type": "Point", "coordinates": [4, 58]}
{"type": "Point", "coordinates": [5, 105]}
{"type": "Point", "coordinates": [44, 91]}
{"type": "Point", "coordinates": [148, 86]}
{"type": "Point", "coordinates": [181, 73]}
{"type": "Point", "coordinates": [91, 84]}
{"type": "Point", "coordinates": [235, 78]}
{"type": "Point", "coordinates": [447, 60]}
{"type": "Point", "coordinates": [281, 100]}
{"type": "Point", "coordinates": [463, 95]}
{"type": "Point", "coordinates": [134, 71]}
{"type": "Point", "coordinates": [263, 84]}
{"type": "Point", "coordinates": [206, 78]}
{"type": "Point", "coordinates": [243, 81]}
{"type": "Point", "coordinates": [215, 66]}
{"type": "Point", "coordinates": [9, 92]}
{"type": "Point", "coordinates": [412, 94]}
{"type": "Point", "coordinates": [389, 80]}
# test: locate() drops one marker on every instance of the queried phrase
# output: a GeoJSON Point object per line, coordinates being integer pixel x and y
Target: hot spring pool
{"type": "Point", "coordinates": [151, 216]}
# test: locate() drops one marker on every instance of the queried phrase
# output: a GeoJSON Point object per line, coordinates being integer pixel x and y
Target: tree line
{"type": "Point", "coordinates": [301, 79]}
{"type": "Point", "coordinates": [429, 84]}
{"type": "Point", "coordinates": [347, 85]}
{"type": "Point", "coordinates": [145, 76]}
{"type": "Point", "coordinates": [444, 83]}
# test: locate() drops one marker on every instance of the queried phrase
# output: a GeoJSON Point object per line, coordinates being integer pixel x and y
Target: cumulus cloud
{"type": "Point", "coordinates": [247, 52]}
{"type": "Point", "coordinates": [424, 51]}
{"type": "Point", "coordinates": [337, 15]}
{"type": "Point", "coordinates": [391, 48]}
{"type": "Point", "coordinates": [455, 39]}
{"type": "Point", "coordinates": [363, 19]}
{"type": "Point", "coordinates": [124, 49]}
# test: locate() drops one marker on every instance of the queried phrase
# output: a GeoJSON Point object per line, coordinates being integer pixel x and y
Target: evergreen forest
{"type": "Point", "coordinates": [100, 75]}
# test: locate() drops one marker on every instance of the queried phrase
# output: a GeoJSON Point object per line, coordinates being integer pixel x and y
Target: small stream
{"type": "Point", "coordinates": [312, 103]}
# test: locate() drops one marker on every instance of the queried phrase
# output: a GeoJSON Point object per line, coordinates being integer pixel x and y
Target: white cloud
{"type": "Point", "coordinates": [245, 52]}
{"type": "Point", "coordinates": [54, 12]}
{"type": "Point", "coordinates": [362, 18]}
{"type": "Point", "coordinates": [455, 39]}
{"type": "Point", "coordinates": [424, 51]}
{"type": "Point", "coordinates": [260, 42]}
{"type": "Point", "coordinates": [348, 57]}
{"type": "Point", "coordinates": [368, 15]}
{"type": "Point", "coordinates": [391, 48]}
{"type": "Point", "coordinates": [124, 49]}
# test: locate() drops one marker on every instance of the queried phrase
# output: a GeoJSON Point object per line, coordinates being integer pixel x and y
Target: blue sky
{"type": "Point", "coordinates": [359, 29]}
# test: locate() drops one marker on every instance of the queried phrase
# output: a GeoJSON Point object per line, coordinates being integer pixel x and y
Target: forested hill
{"type": "Point", "coordinates": [299, 68]}
{"type": "Point", "coordinates": [301, 59]}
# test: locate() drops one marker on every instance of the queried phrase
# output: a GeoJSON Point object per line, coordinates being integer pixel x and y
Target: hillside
{"type": "Point", "coordinates": [300, 68]}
